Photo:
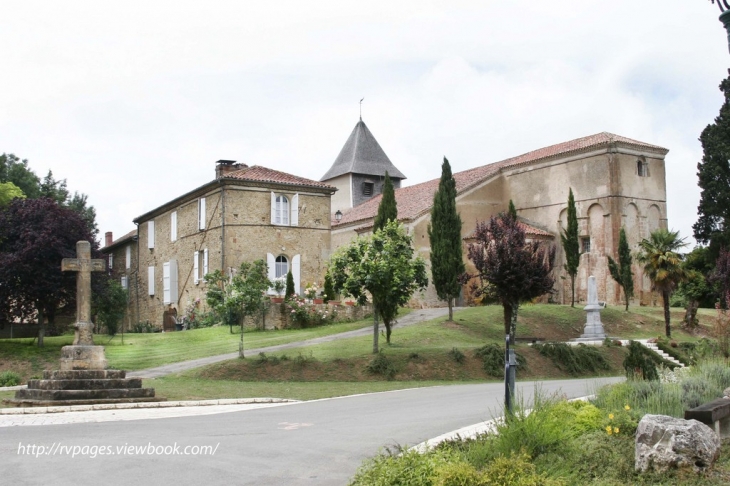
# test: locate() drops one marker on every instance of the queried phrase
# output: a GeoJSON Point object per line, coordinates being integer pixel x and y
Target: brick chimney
{"type": "Point", "coordinates": [108, 238]}
{"type": "Point", "coordinates": [224, 167]}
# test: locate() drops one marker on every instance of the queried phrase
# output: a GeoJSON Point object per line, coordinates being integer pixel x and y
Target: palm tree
{"type": "Point", "coordinates": [663, 265]}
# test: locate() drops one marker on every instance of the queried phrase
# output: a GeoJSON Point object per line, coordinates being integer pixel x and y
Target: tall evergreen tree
{"type": "Point", "coordinates": [512, 211]}
{"type": "Point", "coordinates": [621, 271]}
{"type": "Point", "coordinates": [388, 210]}
{"type": "Point", "coordinates": [444, 234]}
{"type": "Point", "coordinates": [713, 225]}
{"type": "Point", "coordinates": [571, 245]}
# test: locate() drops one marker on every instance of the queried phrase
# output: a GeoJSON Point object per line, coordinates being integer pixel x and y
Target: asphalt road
{"type": "Point", "coordinates": [309, 443]}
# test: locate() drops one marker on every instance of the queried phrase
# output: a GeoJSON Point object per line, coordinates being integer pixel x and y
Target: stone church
{"type": "Point", "coordinates": [246, 213]}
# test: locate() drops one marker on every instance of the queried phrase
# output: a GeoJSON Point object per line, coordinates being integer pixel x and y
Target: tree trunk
{"type": "Point", "coordinates": [690, 316]}
{"type": "Point", "coordinates": [626, 296]}
{"type": "Point", "coordinates": [41, 327]}
{"type": "Point", "coordinates": [665, 298]}
{"type": "Point", "coordinates": [387, 331]}
{"type": "Point", "coordinates": [572, 290]}
{"type": "Point", "coordinates": [375, 330]}
{"type": "Point", "coordinates": [451, 309]}
{"type": "Point", "coordinates": [507, 308]}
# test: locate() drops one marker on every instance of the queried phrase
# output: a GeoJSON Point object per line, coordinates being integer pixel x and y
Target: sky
{"type": "Point", "coordinates": [133, 102]}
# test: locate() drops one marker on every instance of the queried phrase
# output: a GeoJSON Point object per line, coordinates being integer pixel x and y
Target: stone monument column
{"type": "Point", "coordinates": [593, 330]}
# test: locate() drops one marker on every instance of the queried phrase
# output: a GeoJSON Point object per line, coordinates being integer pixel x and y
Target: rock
{"type": "Point", "coordinates": [663, 443]}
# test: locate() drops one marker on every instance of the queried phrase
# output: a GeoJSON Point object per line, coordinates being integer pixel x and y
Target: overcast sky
{"type": "Point", "coordinates": [133, 102]}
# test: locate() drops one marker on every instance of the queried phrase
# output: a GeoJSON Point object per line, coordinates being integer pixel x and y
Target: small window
{"type": "Point", "coordinates": [585, 245]}
{"type": "Point", "coordinates": [282, 210]}
{"type": "Point", "coordinates": [173, 226]}
{"type": "Point", "coordinates": [128, 257]}
{"type": "Point", "coordinates": [124, 283]}
{"type": "Point", "coordinates": [150, 234]}
{"type": "Point", "coordinates": [281, 266]}
{"type": "Point", "coordinates": [201, 213]}
{"type": "Point", "coordinates": [642, 168]}
{"type": "Point", "coordinates": [367, 189]}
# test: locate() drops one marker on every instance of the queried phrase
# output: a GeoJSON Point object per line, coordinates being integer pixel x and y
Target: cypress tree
{"type": "Point", "coordinates": [290, 289]}
{"type": "Point", "coordinates": [713, 224]}
{"type": "Point", "coordinates": [444, 234]}
{"type": "Point", "coordinates": [387, 211]}
{"type": "Point", "coordinates": [569, 237]}
{"type": "Point", "coordinates": [512, 211]}
{"type": "Point", "coordinates": [621, 271]}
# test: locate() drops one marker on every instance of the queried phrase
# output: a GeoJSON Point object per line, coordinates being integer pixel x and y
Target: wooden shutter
{"type": "Point", "coordinates": [295, 210]}
{"type": "Point", "coordinates": [166, 283]}
{"type": "Point", "coordinates": [128, 256]}
{"type": "Point", "coordinates": [173, 226]}
{"type": "Point", "coordinates": [273, 208]}
{"type": "Point", "coordinates": [201, 213]}
{"type": "Point", "coordinates": [173, 282]}
{"type": "Point", "coordinates": [296, 264]}
{"type": "Point", "coordinates": [150, 234]}
{"type": "Point", "coordinates": [205, 263]}
{"type": "Point", "coordinates": [271, 263]}
{"type": "Point", "coordinates": [151, 280]}
{"type": "Point", "coordinates": [196, 271]}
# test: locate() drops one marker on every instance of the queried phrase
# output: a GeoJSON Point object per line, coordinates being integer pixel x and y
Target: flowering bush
{"type": "Point", "coordinates": [190, 317]}
{"type": "Point", "coordinates": [309, 315]}
{"type": "Point", "coordinates": [622, 422]}
{"type": "Point", "coordinates": [310, 291]}
{"type": "Point", "coordinates": [279, 284]}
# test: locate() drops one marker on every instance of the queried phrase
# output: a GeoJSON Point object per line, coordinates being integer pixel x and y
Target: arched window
{"type": "Point", "coordinates": [642, 169]}
{"type": "Point", "coordinates": [281, 267]}
{"type": "Point", "coordinates": [282, 210]}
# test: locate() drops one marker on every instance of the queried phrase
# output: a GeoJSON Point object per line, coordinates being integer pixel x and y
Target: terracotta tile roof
{"type": "Point", "coordinates": [263, 174]}
{"type": "Point", "coordinates": [415, 200]}
{"type": "Point", "coordinates": [122, 239]}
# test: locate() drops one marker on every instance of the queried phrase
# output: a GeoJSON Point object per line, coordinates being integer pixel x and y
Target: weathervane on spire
{"type": "Point", "coordinates": [724, 16]}
{"type": "Point", "coordinates": [361, 108]}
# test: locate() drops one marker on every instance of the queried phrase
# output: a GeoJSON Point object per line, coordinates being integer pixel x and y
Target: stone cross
{"type": "Point", "coordinates": [84, 265]}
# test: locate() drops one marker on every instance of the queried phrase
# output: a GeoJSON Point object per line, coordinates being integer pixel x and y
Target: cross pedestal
{"type": "Point", "coordinates": [83, 354]}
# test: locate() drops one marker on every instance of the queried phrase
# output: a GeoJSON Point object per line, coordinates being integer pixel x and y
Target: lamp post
{"type": "Point", "coordinates": [724, 16]}
{"type": "Point", "coordinates": [338, 216]}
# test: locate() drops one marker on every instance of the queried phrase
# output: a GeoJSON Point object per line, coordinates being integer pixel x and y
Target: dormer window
{"type": "Point", "coordinates": [642, 168]}
{"type": "Point", "coordinates": [367, 188]}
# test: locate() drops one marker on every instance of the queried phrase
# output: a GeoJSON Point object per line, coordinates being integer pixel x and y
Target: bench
{"type": "Point", "coordinates": [532, 340]}
{"type": "Point", "coordinates": [715, 414]}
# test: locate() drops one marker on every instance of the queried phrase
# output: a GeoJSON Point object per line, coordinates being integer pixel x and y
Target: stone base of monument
{"type": "Point", "coordinates": [83, 387]}
{"type": "Point", "coordinates": [83, 358]}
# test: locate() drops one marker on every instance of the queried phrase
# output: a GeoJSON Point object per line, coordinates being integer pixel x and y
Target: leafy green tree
{"type": "Point", "coordinates": [383, 266]}
{"type": "Point", "coordinates": [387, 210]}
{"type": "Point", "coordinates": [663, 265]}
{"type": "Point", "coordinates": [329, 290]}
{"type": "Point", "coordinates": [571, 245]}
{"type": "Point", "coordinates": [510, 269]}
{"type": "Point", "coordinates": [109, 303]}
{"type": "Point", "coordinates": [444, 234]}
{"type": "Point", "coordinates": [290, 288]}
{"type": "Point", "coordinates": [721, 277]}
{"type": "Point", "coordinates": [621, 271]}
{"type": "Point", "coordinates": [14, 170]}
{"type": "Point", "coordinates": [245, 296]}
{"type": "Point", "coordinates": [8, 192]}
{"type": "Point", "coordinates": [713, 225]}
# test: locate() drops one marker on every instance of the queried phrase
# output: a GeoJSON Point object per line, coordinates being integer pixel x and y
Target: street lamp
{"type": "Point", "coordinates": [338, 216]}
{"type": "Point", "coordinates": [724, 16]}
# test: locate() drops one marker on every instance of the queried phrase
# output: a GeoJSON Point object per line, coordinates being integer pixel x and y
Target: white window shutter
{"type": "Point", "coordinates": [124, 282]}
{"type": "Point", "coordinates": [273, 208]}
{"type": "Point", "coordinates": [173, 226]}
{"type": "Point", "coordinates": [173, 281]}
{"type": "Point", "coordinates": [295, 210]}
{"type": "Point", "coordinates": [296, 264]}
{"type": "Point", "coordinates": [128, 257]}
{"type": "Point", "coordinates": [201, 213]}
{"type": "Point", "coordinates": [196, 272]}
{"type": "Point", "coordinates": [205, 263]}
{"type": "Point", "coordinates": [150, 234]}
{"type": "Point", "coordinates": [166, 283]}
{"type": "Point", "coordinates": [151, 280]}
{"type": "Point", "coordinates": [271, 264]}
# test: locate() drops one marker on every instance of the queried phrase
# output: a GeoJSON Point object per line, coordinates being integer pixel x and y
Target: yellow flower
{"type": "Point", "coordinates": [610, 416]}
{"type": "Point", "coordinates": [609, 430]}
{"type": "Point", "coordinates": [615, 430]}
{"type": "Point", "coordinates": [627, 408]}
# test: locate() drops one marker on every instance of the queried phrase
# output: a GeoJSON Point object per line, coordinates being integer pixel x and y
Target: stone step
{"type": "Point", "coordinates": [126, 393]}
{"type": "Point", "coordinates": [85, 384]}
{"type": "Point", "coordinates": [17, 402]}
{"type": "Point", "coordinates": [84, 375]}
{"type": "Point", "coordinates": [664, 355]}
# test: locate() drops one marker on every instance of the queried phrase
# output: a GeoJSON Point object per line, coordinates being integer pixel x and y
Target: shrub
{"type": "Point", "coordinates": [309, 315]}
{"type": "Point", "coordinates": [143, 327]}
{"type": "Point", "coordinates": [381, 365]}
{"type": "Point", "coordinates": [492, 356]}
{"type": "Point", "coordinates": [456, 355]}
{"type": "Point", "coordinates": [9, 378]}
{"type": "Point", "coordinates": [516, 470]}
{"type": "Point", "coordinates": [578, 415]}
{"type": "Point", "coordinates": [573, 359]}
{"type": "Point", "coordinates": [410, 468]}
{"type": "Point", "coordinates": [458, 474]}
{"type": "Point", "coordinates": [638, 364]}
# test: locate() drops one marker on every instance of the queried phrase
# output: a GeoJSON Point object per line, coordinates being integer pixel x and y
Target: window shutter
{"type": "Point", "coordinates": [273, 208]}
{"type": "Point", "coordinates": [111, 261]}
{"type": "Point", "coordinates": [195, 267]}
{"type": "Point", "coordinates": [271, 264]}
{"type": "Point", "coordinates": [205, 263]}
{"type": "Point", "coordinates": [150, 234]}
{"type": "Point", "coordinates": [173, 226]}
{"type": "Point", "coordinates": [296, 272]}
{"type": "Point", "coordinates": [166, 283]}
{"type": "Point", "coordinates": [128, 257]}
{"type": "Point", "coordinates": [151, 280]}
{"type": "Point", "coordinates": [124, 282]}
{"type": "Point", "coordinates": [201, 213]}
{"type": "Point", "coordinates": [295, 210]}
{"type": "Point", "coordinates": [173, 281]}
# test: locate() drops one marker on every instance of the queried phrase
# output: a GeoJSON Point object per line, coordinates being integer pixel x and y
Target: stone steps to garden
{"type": "Point", "coordinates": [655, 348]}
